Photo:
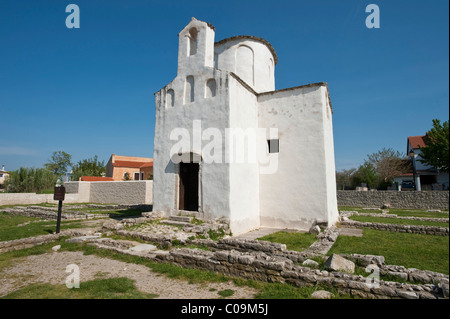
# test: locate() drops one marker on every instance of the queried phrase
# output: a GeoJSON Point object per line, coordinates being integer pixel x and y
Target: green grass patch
{"type": "Point", "coordinates": [389, 220]}
{"type": "Point", "coordinates": [226, 293]}
{"type": "Point", "coordinates": [417, 213]}
{"type": "Point", "coordinates": [397, 211]}
{"type": "Point", "coordinates": [285, 291]}
{"type": "Point", "coordinates": [426, 252]}
{"type": "Point", "coordinates": [112, 288]}
{"type": "Point", "coordinates": [10, 229]}
{"type": "Point", "coordinates": [293, 241]}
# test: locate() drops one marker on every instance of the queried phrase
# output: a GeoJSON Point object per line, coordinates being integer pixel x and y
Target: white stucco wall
{"type": "Point", "coordinates": [301, 191]}
{"type": "Point", "coordinates": [250, 59]}
{"type": "Point", "coordinates": [244, 176]}
{"type": "Point", "coordinates": [212, 112]}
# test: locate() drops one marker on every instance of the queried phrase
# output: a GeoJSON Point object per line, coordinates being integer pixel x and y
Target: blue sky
{"type": "Point", "coordinates": [89, 91]}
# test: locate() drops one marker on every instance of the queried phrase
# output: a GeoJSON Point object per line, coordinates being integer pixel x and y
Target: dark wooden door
{"type": "Point", "coordinates": [188, 192]}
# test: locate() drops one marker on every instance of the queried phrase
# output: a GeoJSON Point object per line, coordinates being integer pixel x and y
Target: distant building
{"type": "Point", "coordinates": [426, 177]}
{"type": "Point", "coordinates": [96, 179]}
{"type": "Point", "coordinates": [121, 168]}
{"type": "Point", "coordinates": [3, 176]}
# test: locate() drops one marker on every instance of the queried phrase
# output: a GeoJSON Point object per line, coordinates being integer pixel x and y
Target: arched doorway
{"type": "Point", "coordinates": [188, 186]}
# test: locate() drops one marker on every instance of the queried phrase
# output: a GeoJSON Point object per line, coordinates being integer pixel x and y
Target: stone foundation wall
{"type": "Point", "coordinates": [416, 229]}
{"type": "Point", "coordinates": [411, 199]}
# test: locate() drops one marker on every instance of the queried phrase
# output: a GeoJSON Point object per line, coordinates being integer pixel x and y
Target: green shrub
{"type": "Point", "coordinates": [30, 180]}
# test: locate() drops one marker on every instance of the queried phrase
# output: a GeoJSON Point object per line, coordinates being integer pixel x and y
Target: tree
{"type": "Point", "coordinates": [88, 167]}
{"type": "Point", "coordinates": [436, 151]}
{"type": "Point", "coordinates": [59, 163]}
{"type": "Point", "coordinates": [388, 164]}
{"type": "Point", "coordinates": [343, 178]}
{"type": "Point", "coordinates": [365, 174]}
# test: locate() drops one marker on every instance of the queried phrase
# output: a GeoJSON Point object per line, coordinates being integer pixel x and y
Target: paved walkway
{"type": "Point", "coordinates": [263, 231]}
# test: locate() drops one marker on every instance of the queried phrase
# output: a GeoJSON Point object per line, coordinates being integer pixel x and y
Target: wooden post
{"type": "Point", "coordinates": [59, 195]}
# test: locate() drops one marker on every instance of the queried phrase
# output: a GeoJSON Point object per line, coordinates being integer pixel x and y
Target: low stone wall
{"type": "Point", "coordinates": [127, 193]}
{"type": "Point", "coordinates": [417, 229]}
{"type": "Point", "coordinates": [70, 212]}
{"type": "Point", "coordinates": [17, 244]}
{"type": "Point", "coordinates": [33, 198]}
{"type": "Point", "coordinates": [411, 199]}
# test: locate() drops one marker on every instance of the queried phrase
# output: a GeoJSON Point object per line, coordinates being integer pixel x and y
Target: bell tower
{"type": "Point", "coordinates": [195, 47]}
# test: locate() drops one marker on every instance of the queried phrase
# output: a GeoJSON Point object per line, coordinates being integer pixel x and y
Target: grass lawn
{"type": "Point", "coordinates": [293, 241]}
{"type": "Point", "coordinates": [398, 211]}
{"type": "Point", "coordinates": [426, 252]}
{"type": "Point", "coordinates": [112, 288]}
{"type": "Point", "coordinates": [10, 229]}
{"type": "Point", "coordinates": [388, 220]}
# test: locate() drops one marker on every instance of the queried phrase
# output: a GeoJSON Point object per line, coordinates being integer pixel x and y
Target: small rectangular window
{"type": "Point", "coordinates": [273, 146]}
{"type": "Point", "coordinates": [136, 176]}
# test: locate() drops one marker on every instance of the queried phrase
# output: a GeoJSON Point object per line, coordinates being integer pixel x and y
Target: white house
{"type": "Point", "coordinates": [3, 176]}
{"type": "Point", "coordinates": [229, 146]}
{"type": "Point", "coordinates": [425, 177]}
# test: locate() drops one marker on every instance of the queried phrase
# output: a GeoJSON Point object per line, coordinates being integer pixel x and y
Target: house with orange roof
{"type": "Point", "coordinates": [121, 168]}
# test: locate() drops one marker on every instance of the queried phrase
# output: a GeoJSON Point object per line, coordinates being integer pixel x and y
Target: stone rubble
{"type": "Point", "coordinates": [338, 263]}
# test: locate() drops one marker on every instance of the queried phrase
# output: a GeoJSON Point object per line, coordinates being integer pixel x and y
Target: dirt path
{"type": "Point", "coordinates": [51, 268]}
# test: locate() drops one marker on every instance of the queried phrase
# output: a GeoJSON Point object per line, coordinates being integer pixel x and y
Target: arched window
{"type": "Point", "coordinates": [210, 90]}
{"type": "Point", "coordinates": [170, 98]}
{"type": "Point", "coordinates": [245, 64]}
{"type": "Point", "coordinates": [192, 42]}
{"type": "Point", "coordinates": [189, 89]}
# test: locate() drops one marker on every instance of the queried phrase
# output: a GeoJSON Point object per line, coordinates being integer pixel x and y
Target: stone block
{"type": "Point", "coordinates": [143, 248]}
{"type": "Point", "coordinates": [444, 284]}
{"type": "Point", "coordinates": [407, 294]}
{"type": "Point", "coordinates": [310, 263]}
{"type": "Point", "coordinates": [314, 229]}
{"type": "Point", "coordinates": [321, 294]}
{"type": "Point", "coordinates": [81, 239]}
{"type": "Point", "coordinates": [338, 263]}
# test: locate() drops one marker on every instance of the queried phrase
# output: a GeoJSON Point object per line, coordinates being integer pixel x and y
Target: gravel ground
{"type": "Point", "coordinates": [51, 268]}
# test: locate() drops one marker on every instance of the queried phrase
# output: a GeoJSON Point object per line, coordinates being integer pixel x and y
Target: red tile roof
{"type": "Point", "coordinates": [132, 164]}
{"type": "Point", "coordinates": [96, 179]}
{"type": "Point", "coordinates": [416, 141]}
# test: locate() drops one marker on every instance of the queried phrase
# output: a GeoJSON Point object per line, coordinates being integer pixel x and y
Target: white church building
{"type": "Point", "coordinates": [229, 146]}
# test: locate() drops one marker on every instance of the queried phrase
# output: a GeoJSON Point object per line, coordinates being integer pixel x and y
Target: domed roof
{"type": "Point", "coordinates": [250, 37]}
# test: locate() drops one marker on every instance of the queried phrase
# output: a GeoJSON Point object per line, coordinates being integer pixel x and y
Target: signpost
{"type": "Point", "coordinates": [59, 195]}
